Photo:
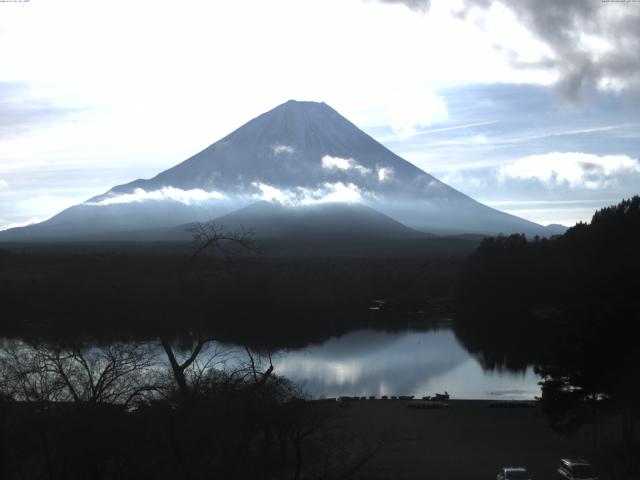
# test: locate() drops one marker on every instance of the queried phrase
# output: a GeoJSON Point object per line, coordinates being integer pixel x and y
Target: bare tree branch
{"type": "Point", "coordinates": [211, 237]}
{"type": "Point", "coordinates": [41, 373]}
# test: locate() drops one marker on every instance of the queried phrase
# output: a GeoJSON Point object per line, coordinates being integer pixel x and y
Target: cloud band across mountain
{"type": "Point", "coordinates": [187, 197]}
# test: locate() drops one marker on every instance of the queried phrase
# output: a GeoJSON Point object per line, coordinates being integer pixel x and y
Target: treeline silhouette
{"type": "Point", "coordinates": [522, 294]}
{"type": "Point", "coordinates": [568, 305]}
{"type": "Point", "coordinates": [590, 261]}
{"type": "Point", "coordinates": [273, 302]}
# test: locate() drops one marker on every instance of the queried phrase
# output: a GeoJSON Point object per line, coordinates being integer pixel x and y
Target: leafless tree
{"type": "Point", "coordinates": [120, 373]}
{"type": "Point", "coordinates": [206, 360]}
{"type": "Point", "coordinates": [253, 367]}
{"type": "Point", "coordinates": [24, 377]}
{"type": "Point", "coordinates": [211, 237]}
{"type": "Point", "coordinates": [192, 369]}
{"type": "Point", "coordinates": [190, 372]}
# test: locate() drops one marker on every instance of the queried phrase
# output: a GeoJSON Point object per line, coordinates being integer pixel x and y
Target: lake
{"type": "Point", "coordinates": [412, 362]}
{"type": "Point", "coordinates": [375, 362]}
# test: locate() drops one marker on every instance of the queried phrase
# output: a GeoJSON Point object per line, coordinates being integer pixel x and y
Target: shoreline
{"type": "Point", "coordinates": [533, 402]}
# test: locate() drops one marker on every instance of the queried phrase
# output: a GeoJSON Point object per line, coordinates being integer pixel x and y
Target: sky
{"type": "Point", "coordinates": [530, 107]}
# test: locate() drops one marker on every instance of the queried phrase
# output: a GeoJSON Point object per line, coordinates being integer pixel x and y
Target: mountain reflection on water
{"type": "Point", "coordinates": [373, 362]}
{"type": "Point", "coordinates": [367, 362]}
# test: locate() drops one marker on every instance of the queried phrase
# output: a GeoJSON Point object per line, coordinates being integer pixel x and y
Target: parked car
{"type": "Point", "coordinates": [576, 469]}
{"type": "Point", "coordinates": [513, 473]}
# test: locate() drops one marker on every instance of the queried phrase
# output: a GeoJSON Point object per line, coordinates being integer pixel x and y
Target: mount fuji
{"type": "Point", "coordinates": [299, 156]}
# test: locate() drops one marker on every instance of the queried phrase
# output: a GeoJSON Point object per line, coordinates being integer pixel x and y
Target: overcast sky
{"type": "Point", "coordinates": [528, 106]}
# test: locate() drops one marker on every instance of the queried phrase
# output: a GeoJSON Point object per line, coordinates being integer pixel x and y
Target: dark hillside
{"type": "Point", "coordinates": [568, 305]}
{"type": "Point", "coordinates": [250, 300]}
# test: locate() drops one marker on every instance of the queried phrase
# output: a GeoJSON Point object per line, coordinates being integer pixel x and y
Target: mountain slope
{"type": "Point", "coordinates": [299, 153]}
{"type": "Point", "coordinates": [269, 220]}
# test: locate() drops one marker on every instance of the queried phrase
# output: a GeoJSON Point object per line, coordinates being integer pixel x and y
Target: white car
{"type": "Point", "coordinates": [513, 473]}
{"type": "Point", "coordinates": [576, 470]}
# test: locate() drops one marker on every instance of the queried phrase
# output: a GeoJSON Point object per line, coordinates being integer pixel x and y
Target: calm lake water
{"type": "Point", "coordinates": [419, 363]}
{"type": "Point", "coordinates": [374, 362]}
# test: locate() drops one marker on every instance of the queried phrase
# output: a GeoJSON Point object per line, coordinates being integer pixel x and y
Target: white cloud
{"type": "Point", "coordinates": [578, 170]}
{"type": "Point", "coordinates": [412, 107]}
{"type": "Point", "coordinates": [187, 197]}
{"type": "Point", "coordinates": [346, 164]}
{"type": "Point", "coordinates": [280, 149]}
{"type": "Point", "coordinates": [337, 192]}
{"type": "Point", "coordinates": [271, 194]}
{"type": "Point", "coordinates": [330, 163]}
{"type": "Point", "coordinates": [479, 140]}
{"type": "Point", "coordinates": [3, 184]}
{"type": "Point", "coordinates": [385, 174]}
{"type": "Point", "coordinates": [588, 43]}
